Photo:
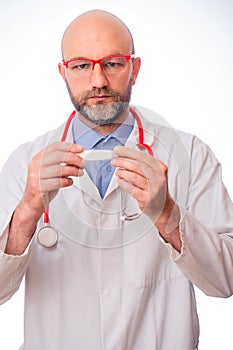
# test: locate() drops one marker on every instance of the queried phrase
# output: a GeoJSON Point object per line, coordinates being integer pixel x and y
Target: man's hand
{"type": "Point", "coordinates": [145, 178]}
{"type": "Point", "coordinates": [48, 171]}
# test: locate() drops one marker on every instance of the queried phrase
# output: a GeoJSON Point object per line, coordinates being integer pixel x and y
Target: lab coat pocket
{"type": "Point", "coordinates": [147, 262]}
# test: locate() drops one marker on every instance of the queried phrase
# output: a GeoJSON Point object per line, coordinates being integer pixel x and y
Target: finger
{"type": "Point", "coordinates": [139, 168]}
{"type": "Point", "coordinates": [62, 157]}
{"type": "Point", "coordinates": [75, 160]}
{"type": "Point", "coordinates": [137, 193]}
{"type": "Point", "coordinates": [56, 152]}
{"type": "Point", "coordinates": [139, 158]}
{"type": "Point", "coordinates": [60, 171]}
{"type": "Point", "coordinates": [131, 153]}
{"type": "Point", "coordinates": [133, 178]}
{"type": "Point", "coordinates": [49, 185]}
{"type": "Point", "coordinates": [128, 164]}
{"type": "Point", "coordinates": [64, 147]}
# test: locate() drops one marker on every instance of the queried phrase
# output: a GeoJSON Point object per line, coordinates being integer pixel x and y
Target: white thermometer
{"type": "Point", "coordinates": [96, 154]}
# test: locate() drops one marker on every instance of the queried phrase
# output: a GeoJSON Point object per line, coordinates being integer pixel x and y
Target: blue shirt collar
{"type": "Point", "coordinates": [84, 135]}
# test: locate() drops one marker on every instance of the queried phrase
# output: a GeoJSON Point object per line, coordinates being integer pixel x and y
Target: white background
{"type": "Point", "coordinates": [186, 48]}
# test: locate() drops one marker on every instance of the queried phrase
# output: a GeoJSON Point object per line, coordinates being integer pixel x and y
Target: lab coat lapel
{"type": "Point", "coordinates": [84, 183]}
{"type": "Point", "coordinates": [132, 143]}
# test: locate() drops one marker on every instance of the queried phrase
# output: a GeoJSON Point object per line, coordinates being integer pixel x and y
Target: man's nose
{"type": "Point", "coordinates": [98, 77]}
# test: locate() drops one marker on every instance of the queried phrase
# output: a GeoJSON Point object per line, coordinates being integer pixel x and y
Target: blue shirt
{"type": "Point", "coordinates": [101, 171]}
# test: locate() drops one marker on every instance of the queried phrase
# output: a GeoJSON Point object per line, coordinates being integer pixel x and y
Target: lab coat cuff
{"type": "Point", "coordinates": [174, 254]}
{"type": "Point", "coordinates": [12, 267]}
{"type": "Point", "coordinates": [4, 238]}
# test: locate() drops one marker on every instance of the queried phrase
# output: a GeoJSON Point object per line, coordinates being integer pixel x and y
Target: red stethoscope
{"type": "Point", "coordinates": [47, 235]}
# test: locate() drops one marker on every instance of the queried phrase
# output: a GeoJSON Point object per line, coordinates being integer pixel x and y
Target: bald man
{"type": "Point", "coordinates": [124, 236]}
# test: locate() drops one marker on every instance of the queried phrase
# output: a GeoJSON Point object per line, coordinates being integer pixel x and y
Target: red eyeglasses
{"type": "Point", "coordinates": [82, 66]}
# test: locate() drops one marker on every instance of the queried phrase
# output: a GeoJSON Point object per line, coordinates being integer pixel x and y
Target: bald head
{"type": "Point", "coordinates": [95, 31]}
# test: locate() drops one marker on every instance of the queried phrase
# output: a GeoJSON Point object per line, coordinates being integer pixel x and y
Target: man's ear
{"type": "Point", "coordinates": [136, 68]}
{"type": "Point", "coordinates": [61, 70]}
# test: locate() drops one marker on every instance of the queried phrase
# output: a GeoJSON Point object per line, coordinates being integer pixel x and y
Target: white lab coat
{"type": "Point", "coordinates": [115, 285]}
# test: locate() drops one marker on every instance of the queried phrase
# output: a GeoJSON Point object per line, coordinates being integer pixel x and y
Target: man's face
{"type": "Point", "coordinates": [100, 98]}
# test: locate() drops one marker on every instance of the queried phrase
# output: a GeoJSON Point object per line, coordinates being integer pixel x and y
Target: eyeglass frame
{"type": "Point", "coordinates": [99, 61]}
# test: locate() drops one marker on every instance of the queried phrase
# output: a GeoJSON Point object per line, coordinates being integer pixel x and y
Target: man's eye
{"type": "Point", "coordinates": [112, 64]}
{"type": "Point", "coordinates": [80, 66]}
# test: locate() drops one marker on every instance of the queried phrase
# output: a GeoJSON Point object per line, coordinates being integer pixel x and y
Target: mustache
{"type": "Point", "coordinates": [100, 92]}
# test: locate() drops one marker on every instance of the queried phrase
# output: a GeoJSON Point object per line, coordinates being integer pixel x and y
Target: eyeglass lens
{"type": "Point", "coordinates": [111, 65]}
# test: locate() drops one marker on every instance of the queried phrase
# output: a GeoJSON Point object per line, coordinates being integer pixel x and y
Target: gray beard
{"type": "Point", "coordinates": [103, 113]}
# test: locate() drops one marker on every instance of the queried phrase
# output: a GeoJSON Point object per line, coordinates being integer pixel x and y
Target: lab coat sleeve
{"type": "Point", "coordinates": [206, 227]}
{"type": "Point", "coordinates": [12, 184]}
{"type": "Point", "coordinates": [12, 268]}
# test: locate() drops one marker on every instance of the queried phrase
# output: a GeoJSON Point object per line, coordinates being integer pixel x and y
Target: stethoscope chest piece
{"type": "Point", "coordinates": [47, 236]}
